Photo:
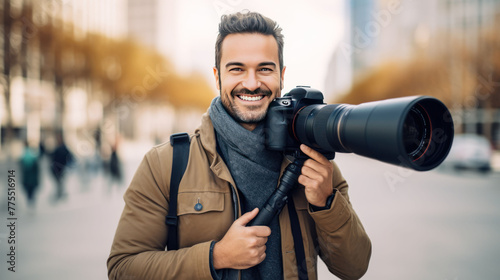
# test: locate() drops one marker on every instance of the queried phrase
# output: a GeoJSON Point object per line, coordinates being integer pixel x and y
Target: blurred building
{"type": "Point", "coordinates": [31, 93]}
{"type": "Point", "coordinates": [381, 31]}
{"type": "Point", "coordinates": [155, 23]}
{"type": "Point", "coordinates": [465, 20]}
{"type": "Point", "coordinates": [148, 22]}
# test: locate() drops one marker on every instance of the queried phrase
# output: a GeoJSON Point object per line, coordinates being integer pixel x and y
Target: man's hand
{"type": "Point", "coordinates": [316, 177]}
{"type": "Point", "coordinates": [242, 247]}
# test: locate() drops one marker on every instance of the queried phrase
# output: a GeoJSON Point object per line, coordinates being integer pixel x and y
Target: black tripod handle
{"type": "Point", "coordinates": [279, 197]}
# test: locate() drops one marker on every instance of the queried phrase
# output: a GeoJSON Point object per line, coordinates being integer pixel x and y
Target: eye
{"type": "Point", "coordinates": [235, 69]}
{"type": "Point", "coordinates": [265, 69]}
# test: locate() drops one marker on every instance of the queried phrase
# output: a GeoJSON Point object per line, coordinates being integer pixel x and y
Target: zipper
{"type": "Point", "coordinates": [234, 274]}
{"type": "Point", "coordinates": [235, 202]}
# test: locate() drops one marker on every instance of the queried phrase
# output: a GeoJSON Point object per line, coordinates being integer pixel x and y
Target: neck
{"type": "Point", "coordinates": [249, 126]}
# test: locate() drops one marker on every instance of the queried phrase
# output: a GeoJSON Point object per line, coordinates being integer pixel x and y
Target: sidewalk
{"type": "Point", "coordinates": [67, 239]}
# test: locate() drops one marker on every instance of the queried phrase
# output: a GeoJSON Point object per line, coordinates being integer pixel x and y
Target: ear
{"type": "Point", "coordinates": [216, 76]}
{"type": "Point", "coordinates": [282, 82]}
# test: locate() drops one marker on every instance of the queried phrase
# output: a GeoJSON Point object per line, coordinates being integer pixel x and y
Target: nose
{"type": "Point", "coordinates": [251, 81]}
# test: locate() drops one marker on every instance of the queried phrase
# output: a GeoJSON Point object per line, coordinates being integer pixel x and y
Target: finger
{"type": "Point", "coordinates": [261, 231]}
{"type": "Point", "coordinates": [262, 257]}
{"type": "Point", "coordinates": [261, 242]}
{"type": "Point", "coordinates": [317, 156]}
{"type": "Point", "coordinates": [324, 169]}
{"type": "Point", "coordinates": [257, 242]}
{"type": "Point", "coordinates": [247, 217]}
{"type": "Point", "coordinates": [312, 173]}
{"type": "Point", "coordinates": [307, 182]}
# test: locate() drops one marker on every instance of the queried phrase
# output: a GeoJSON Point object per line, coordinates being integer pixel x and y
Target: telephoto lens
{"type": "Point", "coordinates": [415, 132]}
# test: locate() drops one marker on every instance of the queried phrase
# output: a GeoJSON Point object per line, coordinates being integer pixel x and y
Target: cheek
{"type": "Point", "coordinates": [225, 95]}
{"type": "Point", "coordinates": [273, 82]}
{"type": "Point", "coordinates": [228, 85]}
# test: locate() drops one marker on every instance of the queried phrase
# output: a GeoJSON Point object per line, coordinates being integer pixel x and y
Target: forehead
{"type": "Point", "coordinates": [249, 48]}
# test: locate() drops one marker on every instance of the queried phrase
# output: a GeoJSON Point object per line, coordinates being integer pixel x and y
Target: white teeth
{"type": "Point", "coordinates": [251, 98]}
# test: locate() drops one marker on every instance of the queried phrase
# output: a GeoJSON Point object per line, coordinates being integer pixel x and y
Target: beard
{"type": "Point", "coordinates": [252, 114]}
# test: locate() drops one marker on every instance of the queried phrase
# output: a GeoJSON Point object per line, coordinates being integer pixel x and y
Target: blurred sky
{"type": "Point", "coordinates": [311, 29]}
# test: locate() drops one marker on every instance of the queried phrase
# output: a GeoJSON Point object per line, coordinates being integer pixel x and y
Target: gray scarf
{"type": "Point", "coordinates": [255, 171]}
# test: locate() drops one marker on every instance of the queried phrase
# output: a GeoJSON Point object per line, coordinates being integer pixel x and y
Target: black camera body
{"type": "Point", "coordinates": [280, 132]}
{"type": "Point", "coordinates": [414, 131]}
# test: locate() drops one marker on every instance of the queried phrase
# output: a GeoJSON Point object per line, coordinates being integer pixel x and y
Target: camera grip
{"type": "Point", "coordinates": [278, 198]}
{"type": "Point", "coordinates": [271, 208]}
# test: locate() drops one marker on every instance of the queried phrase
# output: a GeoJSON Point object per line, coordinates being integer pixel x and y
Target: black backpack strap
{"type": "Point", "coordinates": [180, 144]}
{"type": "Point", "coordinates": [298, 244]}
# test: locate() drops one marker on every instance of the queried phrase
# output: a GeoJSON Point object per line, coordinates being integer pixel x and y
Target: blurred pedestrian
{"type": "Point", "coordinates": [61, 158]}
{"type": "Point", "coordinates": [30, 177]}
{"type": "Point", "coordinates": [41, 148]}
{"type": "Point", "coordinates": [115, 168]}
{"type": "Point", "coordinates": [94, 162]}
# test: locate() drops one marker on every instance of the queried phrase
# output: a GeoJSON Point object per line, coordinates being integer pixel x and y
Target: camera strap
{"type": "Point", "coordinates": [297, 241]}
{"type": "Point", "coordinates": [180, 144]}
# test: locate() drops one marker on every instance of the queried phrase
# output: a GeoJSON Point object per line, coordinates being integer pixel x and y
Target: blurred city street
{"type": "Point", "coordinates": [88, 87]}
{"type": "Point", "coordinates": [433, 225]}
{"type": "Point", "coordinates": [71, 238]}
{"type": "Point", "coordinates": [439, 224]}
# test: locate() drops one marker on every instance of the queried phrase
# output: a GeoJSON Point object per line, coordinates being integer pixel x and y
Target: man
{"type": "Point", "coordinates": [229, 174]}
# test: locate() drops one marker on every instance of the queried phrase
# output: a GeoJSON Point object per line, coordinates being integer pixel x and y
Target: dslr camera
{"type": "Point", "coordinates": [415, 132]}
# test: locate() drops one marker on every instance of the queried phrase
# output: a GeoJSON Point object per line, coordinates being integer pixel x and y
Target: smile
{"type": "Point", "coordinates": [251, 98]}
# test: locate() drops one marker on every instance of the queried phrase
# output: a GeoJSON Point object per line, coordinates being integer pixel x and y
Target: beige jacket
{"type": "Point", "coordinates": [138, 249]}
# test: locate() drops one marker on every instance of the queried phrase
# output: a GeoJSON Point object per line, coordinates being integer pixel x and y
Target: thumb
{"type": "Point", "coordinates": [247, 217]}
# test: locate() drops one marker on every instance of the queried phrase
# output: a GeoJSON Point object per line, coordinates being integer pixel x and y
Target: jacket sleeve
{"type": "Point", "coordinates": [343, 243]}
{"type": "Point", "coordinates": [138, 249]}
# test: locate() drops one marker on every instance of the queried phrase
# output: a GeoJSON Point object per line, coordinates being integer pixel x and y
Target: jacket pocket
{"type": "Point", "coordinates": [199, 202]}
{"type": "Point", "coordinates": [203, 216]}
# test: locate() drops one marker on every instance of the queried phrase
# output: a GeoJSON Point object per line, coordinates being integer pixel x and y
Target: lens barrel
{"type": "Point", "coordinates": [415, 132]}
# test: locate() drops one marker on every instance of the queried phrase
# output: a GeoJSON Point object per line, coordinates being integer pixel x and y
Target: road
{"type": "Point", "coordinates": [426, 225]}
{"type": "Point", "coordinates": [431, 225]}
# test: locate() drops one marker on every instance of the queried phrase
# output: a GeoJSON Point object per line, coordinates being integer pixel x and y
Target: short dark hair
{"type": "Point", "coordinates": [247, 22]}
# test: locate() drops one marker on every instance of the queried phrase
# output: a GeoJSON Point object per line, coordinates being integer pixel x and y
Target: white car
{"type": "Point", "coordinates": [470, 151]}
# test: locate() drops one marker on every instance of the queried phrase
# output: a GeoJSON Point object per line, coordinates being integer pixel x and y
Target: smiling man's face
{"type": "Point", "coordinates": [250, 76]}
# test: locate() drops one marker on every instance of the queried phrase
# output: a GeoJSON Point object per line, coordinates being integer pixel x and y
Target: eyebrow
{"type": "Point", "coordinates": [229, 64]}
{"type": "Point", "coordinates": [266, 63]}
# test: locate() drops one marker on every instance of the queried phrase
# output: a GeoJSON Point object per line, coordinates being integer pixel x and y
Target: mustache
{"type": "Point", "coordinates": [250, 92]}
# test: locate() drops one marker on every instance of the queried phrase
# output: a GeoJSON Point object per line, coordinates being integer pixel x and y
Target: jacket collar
{"type": "Point", "coordinates": [207, 136]}
{"type": "Point", "coordinates": [208, 140]}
